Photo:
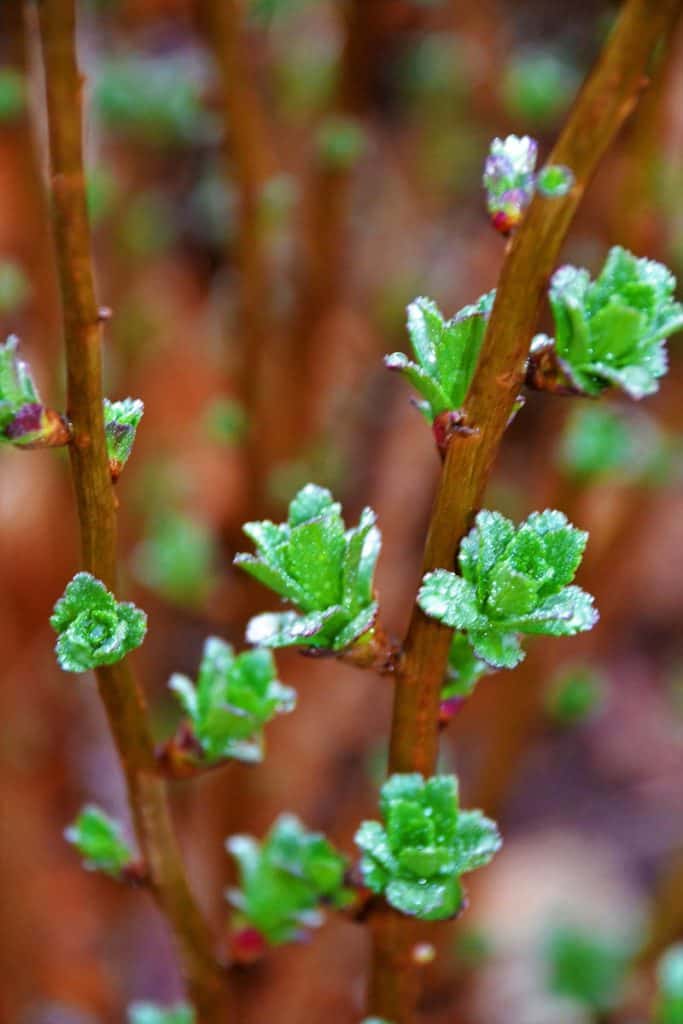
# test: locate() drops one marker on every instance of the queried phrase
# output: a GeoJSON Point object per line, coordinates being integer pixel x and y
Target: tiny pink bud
{"type": "Point", "coordinates": [449, 708]}
{"type": "Point", "coordinates": [248, 945]}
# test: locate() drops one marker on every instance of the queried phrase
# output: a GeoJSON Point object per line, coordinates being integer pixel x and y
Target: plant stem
{"type": "Point", "coordinates": [252, 162]}
{"type": "Point", "coordinates": [605, 101]}
{"type": "Point", "coordinates": [120, 693]}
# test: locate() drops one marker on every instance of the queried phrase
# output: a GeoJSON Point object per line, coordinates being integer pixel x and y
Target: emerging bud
{"type": "Point", "coordinates": [121, 421]}
{"type": "Point", "coordinates": [509, 180]}
{"type": "Point", "coordinates": [248, 945]}
{"type": "Point", "coordinates": [34, 426]}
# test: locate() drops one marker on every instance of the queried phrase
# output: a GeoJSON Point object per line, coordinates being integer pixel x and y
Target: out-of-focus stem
{"type": "Point", "coordinates": [120, 693]}
{"type": "Point", "coordinates": [326, 253]}
{"type": "Point", "coordinates": [251, 162]}
{"type": "Point", "coordinates": [607, 98]}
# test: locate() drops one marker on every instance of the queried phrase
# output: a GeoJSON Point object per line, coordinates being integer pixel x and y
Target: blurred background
{"type": "Point", "coordinates": [270, 184]}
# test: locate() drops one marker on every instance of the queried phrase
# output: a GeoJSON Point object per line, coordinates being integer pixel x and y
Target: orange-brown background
{"type": "Point", "coordinates": [593, 817]}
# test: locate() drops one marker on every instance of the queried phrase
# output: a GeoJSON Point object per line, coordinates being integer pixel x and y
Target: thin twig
{"type": "Point", "coordinates": [120, 693]}
{"type": "Point", "coordinates": [603, 104]}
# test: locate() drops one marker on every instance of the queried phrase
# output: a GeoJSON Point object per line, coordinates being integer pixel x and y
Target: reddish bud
{"type": "Point", "coordinates": [248, 945]}
{"type": "Point", "coordinates": [34, 426]}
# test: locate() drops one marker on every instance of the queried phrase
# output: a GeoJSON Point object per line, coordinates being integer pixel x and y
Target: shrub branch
{"type": "Point", "coordinates": [119, 691]}
{"type": "Point", "coordinates": [605, 101]}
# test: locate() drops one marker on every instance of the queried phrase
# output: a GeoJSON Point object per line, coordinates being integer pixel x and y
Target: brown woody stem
{"type": "Point", "coordinates": [120, 693]}
{"type": "Point", "coordinates": [605, 101]}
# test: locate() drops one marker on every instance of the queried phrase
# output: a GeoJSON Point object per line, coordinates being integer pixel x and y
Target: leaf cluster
{"type": "Point", "coordinates": [318, 565]}
{"type": "Point", "coordinates": [284, 879]}
{"type": "Point", "coordinates": [94, 628]}
{"type": "Point", "coordinates": [99, 840]}
{"type": "Point", "coordinates": [611, 332]}
{"type": "Point", "coordinates": [426, 843]}
{"type": "Point", "coordinates": [513, 580]}
{"type": "Point", "coordinates": [235, 696]}
{"type": "Point", "coordinates": [446, 352]}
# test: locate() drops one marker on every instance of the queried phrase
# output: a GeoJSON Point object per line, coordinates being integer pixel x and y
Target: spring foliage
{"type": "Point", "coordinates": [612, 332]}
{"type": "Point", "coordinates": [234, 697]}
{"type": "Point", "coordinates": [94, 628]}
{"type": "Point", "coordinates": [284, 879]}
{"type": "Point", "coordinates": [512, 581]}
{"type": "Point", "coordinates": [318, 565]}
{"type": "Point", "coordinates": [446, 352]}
{"type": "Point", "coordinates": [99, 840]}
{"type": "Point", "coordinates": [426, 843]}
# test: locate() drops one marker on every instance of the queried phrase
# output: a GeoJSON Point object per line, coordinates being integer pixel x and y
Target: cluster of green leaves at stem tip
{"type": "Point", "coordinates": [323, 569]}
{"type": "Point", "coordinates": [234, 697]}
{"type": "Point", "coordinates": [612, 332]}
{"type": "Point", "coordinates": [94, 628]}
{"type": "Point", "coordinates": [427, 842]}
{"type": "Point", "coordinates": [284, 879]}
{"type": "Point", "coordinates": [100, 842]}
{"type": "Point", "coordinates": [512, 581]}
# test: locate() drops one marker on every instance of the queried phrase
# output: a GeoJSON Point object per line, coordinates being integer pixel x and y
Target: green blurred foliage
{"type": "Point", "coordinates": [225, 421]}
{"type": "Point", "coordinates": [12, 94]}
{"type": "Point", "coordinates": [15, 289]}
{"type": "Point", "coordinates": [576, 694]}
{"type": "Point", "coordinates": [102, 194]}
{"type": "Point", "coordinates": [614, 442]}
{"type": "Point", "coordinates": [99, 840]}
{"type": "Point", "coordinates": [340, 142]}
{"type": "Point", "coordinates": [585, 967]}
{"type": "Point", "coordinates": [177, 559]}
{"type": "Point", "coordinates": [538, 86]}
{"type": "Point", "coordinates": [155, 101]}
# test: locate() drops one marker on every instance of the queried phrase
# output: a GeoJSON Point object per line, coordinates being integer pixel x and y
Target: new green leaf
{"type": "Point", "coordinates": [284, 880]}
{"type": "Point", "coordinates": [94, 628]}
{"type": "Point", "coordinates": [612, 332]}
{"type": "Point", "coordinates": [446, 352]}
{"type": "Point", "coordinates": [464, 671]}
{"type": "Point", "coordinates": [512, 581]}
{"type": "Point", "coordinates": [99, 840]}
{"type": "Point", "coordinates": [426, 843]}
{"type": "Point", "coordinates": [234, 697]}
{"type": "Point", "coordinates": [321, 567]}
